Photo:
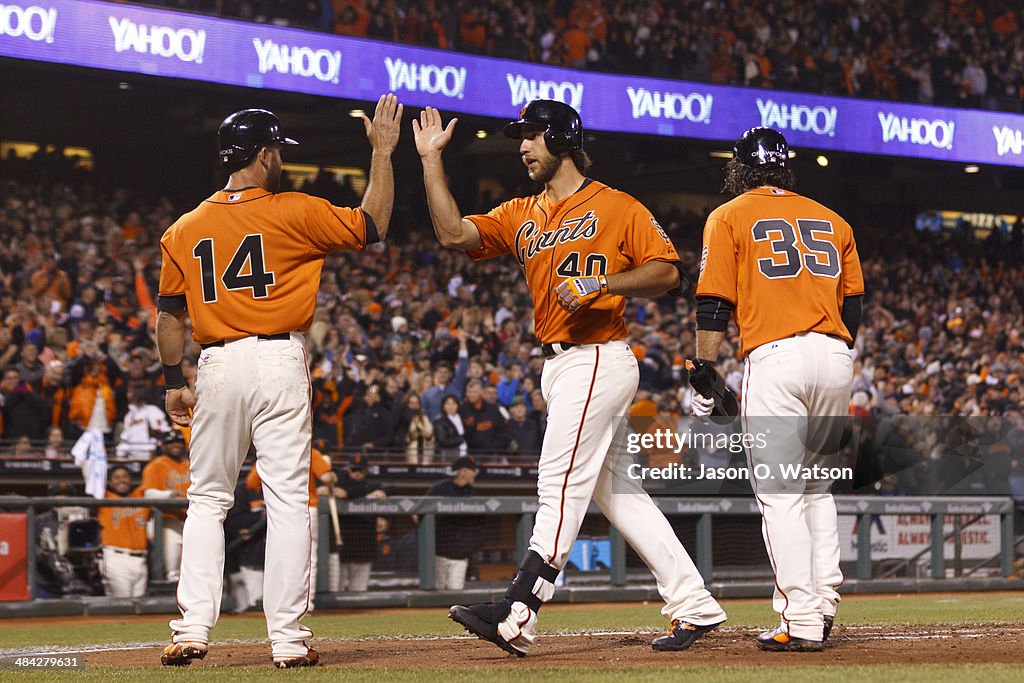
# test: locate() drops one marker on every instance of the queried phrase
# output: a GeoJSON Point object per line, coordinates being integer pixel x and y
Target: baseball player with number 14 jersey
{"type": "Point", "coordinates": [245, 265]}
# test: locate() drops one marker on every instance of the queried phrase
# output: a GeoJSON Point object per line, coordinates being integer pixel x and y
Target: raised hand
{"type": "Point", "coordinates": [384, 129]}
{"type": "Point", "coordinates": [430, 136]}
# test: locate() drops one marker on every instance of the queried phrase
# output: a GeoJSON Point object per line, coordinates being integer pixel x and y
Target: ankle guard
{"type": "Point", "coordinates": [533, 567]}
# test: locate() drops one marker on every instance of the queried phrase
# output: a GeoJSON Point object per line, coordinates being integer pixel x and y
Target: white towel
{"type": "Point", "coordinates": [91, 455]}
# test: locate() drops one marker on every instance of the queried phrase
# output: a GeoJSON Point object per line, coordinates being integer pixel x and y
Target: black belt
{"type": "Point", "coordinates": [264, 337]}
{"type": "Point", "coordinates": [549, 349]}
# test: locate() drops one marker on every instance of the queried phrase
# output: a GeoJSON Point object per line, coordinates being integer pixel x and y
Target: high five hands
{"type": "Point", "coordinates": [431, 137]}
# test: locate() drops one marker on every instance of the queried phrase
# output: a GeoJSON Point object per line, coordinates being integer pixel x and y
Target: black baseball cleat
{"type": "Point", "coordinates": [777, 640]}
{"type": "Point", "coordinates": [681, 636]}
{"type": "Point", "coordinates": [482, 621]}
{"type": "Point", "coordinates": [827, 630]}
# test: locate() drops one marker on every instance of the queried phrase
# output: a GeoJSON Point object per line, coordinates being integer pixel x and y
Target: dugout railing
{"type": "Point", "coordinates": [864, 508]}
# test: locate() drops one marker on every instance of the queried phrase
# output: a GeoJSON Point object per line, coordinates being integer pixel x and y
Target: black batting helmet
{"type": "Point", "coordinates": [175, 435]}
{"type": "Point", "coordinates": [563, 130]}
{"type": "Point", "coordinates": [762, 147]}
{"type": "Point", "coordinates": [243, 133]}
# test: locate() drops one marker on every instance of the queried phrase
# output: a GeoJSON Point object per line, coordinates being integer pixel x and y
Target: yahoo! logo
{"type": "Point", "coordinates": [323, 65]}
{"type": "Point", "coordinates": [798, 117]}
{"type": "Point", "coordinates": [694, 107]}
{"type": "Point", "coordinates": [936, 133]}
{"type": "Point", "coordinates": [183, 44]}
{"type": "Point", "coordinates": [1008, 140]}
{"type": "Point", "coordinates": [525, 90]}
{"type": "Point", "coordinates": [449, 81]}
{"type": "Point", "coordinates": [35, 23]}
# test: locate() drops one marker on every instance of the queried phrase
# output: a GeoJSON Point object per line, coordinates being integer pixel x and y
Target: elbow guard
{"type": "Point", "coordinates": [713, 313]}
{"type": "Point", "coordinates": [852, 309]}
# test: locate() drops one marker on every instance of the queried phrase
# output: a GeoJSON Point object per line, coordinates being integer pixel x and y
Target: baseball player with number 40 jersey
{"type": "Point", "coordinates": [583, 248]}
{"type": "Point", "coordinates": [788, 268]}
{"type": "Point", "coordinates": [245, 265]}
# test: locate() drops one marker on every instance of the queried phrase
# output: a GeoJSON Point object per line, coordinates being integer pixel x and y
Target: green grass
{"type": "Point", "coordinates": [855, 610]}
{"type": "Point", "coordinates": [923, 673]}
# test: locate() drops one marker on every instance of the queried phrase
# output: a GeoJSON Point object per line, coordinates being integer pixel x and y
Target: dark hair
{"type": "Point", "coordinates": [449, 396]}
{"type": "Point", "coordinates": [740, 178]}
{"type": "Point", "coordinates": [581, 160]}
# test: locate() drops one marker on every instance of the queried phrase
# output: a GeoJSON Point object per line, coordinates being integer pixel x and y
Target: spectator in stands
{"type": "Point", "coordinates": [539, 411]}
{"type": "Point", "coordinates": [524, 433]}
{"type": "Point", "coordinates": [458, 536]}
{"type": "Point", "coordinates": [52, 285]}
{"type": "Point", "coordinates": [166, 477]}
{"type": "Point", "coordinates": [124, 539]}
{"type": "Point", "coordinates": [30, 367]}
{"type": "Point", "coordinates": [369, 423]}
{"type": "Point", "coordinates": [92, 400]}
{"type": "Point", "coordinates": [444, 384]}
{"type": "Point", "coordinates": [416, 432]}
{"type": "Point", "coordinates": [24, 412]}
{"type": "Point", "coordinates": [359, 532]}
{"type": "Point", "coordinates": [485, 427]}
{"type": "Point", "coordinates": [450, 431]}
{"type": "Point", "coordinates": [511, 385]}
{"type": "Point", "coordinates": [144, 424]}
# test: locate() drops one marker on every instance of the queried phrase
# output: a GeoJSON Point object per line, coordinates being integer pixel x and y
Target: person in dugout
{"type": "Point", "coordinates": [124, 539]}
{"type": "Point", "coordinates": [166, 477]}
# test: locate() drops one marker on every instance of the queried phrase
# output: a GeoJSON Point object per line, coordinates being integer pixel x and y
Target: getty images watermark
{"type": "Point", "coordinates": [670, 442]}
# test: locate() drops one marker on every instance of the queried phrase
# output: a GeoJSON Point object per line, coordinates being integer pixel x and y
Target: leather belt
{"type": "Point", "coordinates": [552, 350]}
{"type": "Point", "coordinates": [265, 337]}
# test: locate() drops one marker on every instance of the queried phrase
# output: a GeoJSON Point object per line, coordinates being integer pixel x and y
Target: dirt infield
{"type": "Point", "coordinates": [850, 646]}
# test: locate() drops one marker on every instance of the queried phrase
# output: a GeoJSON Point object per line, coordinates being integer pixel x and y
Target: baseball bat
{"type": "Point", "coordinates": [332, 505]}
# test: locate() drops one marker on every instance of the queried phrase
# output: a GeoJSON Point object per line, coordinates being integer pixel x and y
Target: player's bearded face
{"type": "Point", "coordinates": [541, 165]}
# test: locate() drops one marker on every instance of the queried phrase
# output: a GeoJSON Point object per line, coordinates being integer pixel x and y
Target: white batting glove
{"type": "Point", "coordinates": [701, 407]}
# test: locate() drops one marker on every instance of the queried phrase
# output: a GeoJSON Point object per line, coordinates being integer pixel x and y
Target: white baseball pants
{"type": "Point", "coordinates": [314, 532]}
{"type": "Point", "coordinates": [249, 391]}
{"type": "Point", "coordinates": [124, 575]}
{"type": "Point", "coordinates": [787, 384]}
{"type": "Point", "coordinates": [354, 577]}
{"type": "Point", "coordinates": [588, 390]}
{"type": "Point", "coordinates": [450, 574]}
{"type": "Point", "coordinates": [173, 529]}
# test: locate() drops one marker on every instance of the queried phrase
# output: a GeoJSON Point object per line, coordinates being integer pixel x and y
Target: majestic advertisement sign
{"type": "Point", "coordinates": [157, 42]}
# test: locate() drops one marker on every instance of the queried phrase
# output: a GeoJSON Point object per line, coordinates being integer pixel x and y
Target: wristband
{"type": "Point", "coordinates": [174, 378]}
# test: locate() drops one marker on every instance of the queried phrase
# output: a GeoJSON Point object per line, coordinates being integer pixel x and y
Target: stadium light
{"type": "Point", "coordinates": [481, 134]}
{"type": "Point", "coordinates": [822, 160]}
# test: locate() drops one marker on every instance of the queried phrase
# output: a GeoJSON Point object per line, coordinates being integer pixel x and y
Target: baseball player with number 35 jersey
{"type": "Point", "coordinates": [583, 247]}
{"type": "Point", "coordinates": [246, 264]}
{"type": "Point", "coordinates": [788, 267]}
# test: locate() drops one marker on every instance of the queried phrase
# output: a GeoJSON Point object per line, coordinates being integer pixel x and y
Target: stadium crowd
{"type": "Point", "coordinates": [422, 354]}
{"type": "Point", "coordinates": [950, 52]}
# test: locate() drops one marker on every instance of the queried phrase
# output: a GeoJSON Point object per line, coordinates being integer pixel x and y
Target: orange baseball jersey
{"type": "Point", "coordinates": [167, 474]}
{"type": "Point", "coordinates": [318, 466]}
{"type": "Point", "coordinates": [785, 261]}
{"type": "Point", "coordinates": [249, 262]}
{"type": "Point", "coordinates": [594, 231]}
{"type": "Point", "coordinates": [124, 527]}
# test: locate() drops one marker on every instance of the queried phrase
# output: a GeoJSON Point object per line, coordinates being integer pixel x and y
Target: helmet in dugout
{"type": "Point", "coordinates": [762, 147]}
{"type": "Point", "coordinates": [244, 133]}
{"type": "Point", "coordinates": [563, 130]}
